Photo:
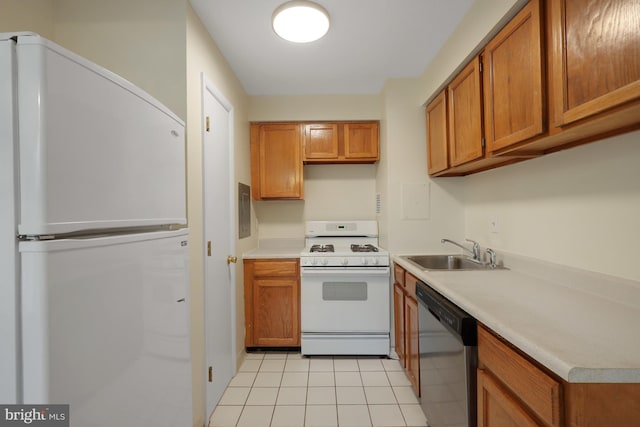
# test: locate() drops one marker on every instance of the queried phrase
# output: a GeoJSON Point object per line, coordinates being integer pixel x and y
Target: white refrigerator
{"type": "Point", "coordinates": [93, 259]}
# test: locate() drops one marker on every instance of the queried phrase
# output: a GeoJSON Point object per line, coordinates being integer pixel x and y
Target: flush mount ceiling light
{"type": "Point", "coordinates": [300, 21]}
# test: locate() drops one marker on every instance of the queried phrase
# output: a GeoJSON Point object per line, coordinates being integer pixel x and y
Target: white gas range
{"type": "Point", "coordinates": [345, 289]}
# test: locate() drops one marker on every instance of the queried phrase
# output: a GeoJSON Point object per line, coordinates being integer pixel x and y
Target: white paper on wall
{"type": "Point", "coordinates": [416, 200]}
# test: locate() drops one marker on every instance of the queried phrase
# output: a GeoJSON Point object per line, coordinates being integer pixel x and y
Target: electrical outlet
{"type": "Point", "coordinates": [493, 225]}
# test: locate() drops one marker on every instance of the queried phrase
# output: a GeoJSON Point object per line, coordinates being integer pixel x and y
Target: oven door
{"type": "Point", "coordinates": [343, 300]}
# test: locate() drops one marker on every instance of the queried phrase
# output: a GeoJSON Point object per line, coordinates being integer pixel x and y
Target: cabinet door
{"type": "Point", "coordinates": [398, 319]}
{"type": "Point", "coordinates": [320, 141]}
{"type": "Point", "coordinates": [437, 135]}
{"type": "Point", "coordinates": [412, 353]}
{"type": "Point", "coordinates": [465, 115]}
{"type": "Point", "coordinates": [497, 407]}
{"type": "Point", "coordinates": [513, 90]}
{"type": "Point", "coordinates": [595, 55]}
{"type": "Point", "coordinates": [275, 312]}
{"type": "Point", "coordinates": [536, 390]}
{"type": "Point", "coordinates": [361, 141]}
{"type": "Point", "coordinates": [279, 158]}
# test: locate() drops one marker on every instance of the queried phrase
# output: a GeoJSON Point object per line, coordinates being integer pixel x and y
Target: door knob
{"type": "Point", "coordinates": [232, 259]}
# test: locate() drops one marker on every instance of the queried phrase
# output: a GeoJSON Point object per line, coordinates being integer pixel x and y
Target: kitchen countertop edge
{"type": "Point", "coordinates": [533, 346]}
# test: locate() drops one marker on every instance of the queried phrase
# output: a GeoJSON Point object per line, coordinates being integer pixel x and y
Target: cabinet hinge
{"type": "Point", "coordinates": [483, 142]}
{"type": "Point", "coordinates": [480, 66]}
{"type": "Point", "coordinates": [209, 248]}
{"type": "Point", "coordinates": [210, 374]}
{"type": "Point", "coordinates": [208, 124]}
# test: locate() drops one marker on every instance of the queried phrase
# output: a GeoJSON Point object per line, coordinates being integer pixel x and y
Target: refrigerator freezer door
{"type": "Point", "coordinates": [96, 152]}
{"type": "Point", "coordinates": [106, 329]}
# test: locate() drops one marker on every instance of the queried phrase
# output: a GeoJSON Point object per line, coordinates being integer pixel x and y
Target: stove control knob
{"type": "Point", "coordinates": [365, 261]}
{"type": "Point", "coordinates": [324, 261]}
{"type": "Point", "coordinates": [314, 261]}
{"type": "Point", "coordinates": [375, 261]}
{"type": "Point", "coordinates": [344, 261]}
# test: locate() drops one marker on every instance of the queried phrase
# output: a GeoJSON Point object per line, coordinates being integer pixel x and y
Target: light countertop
{"type": "Point", "coordinates": [583, 326]}
{"type": "Point", "coordinates": [276, 248]}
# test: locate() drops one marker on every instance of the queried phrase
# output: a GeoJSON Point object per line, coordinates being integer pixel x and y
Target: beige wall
{"type": "Point", "coordinates": [403, 166]}
{"type": "Point", "coordinates": [204, 56]}
{"type": "Point", "coordinates": [142, 40]}
{"type": "Point", "coordinates": [35, 16]}
{"type": "Point", "coordinates": [579, 207]}
{"type": "Point", "coordinates": [314, 107]}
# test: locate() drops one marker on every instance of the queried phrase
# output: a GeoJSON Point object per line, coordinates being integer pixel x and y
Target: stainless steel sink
{"type": "Point", "coordinates": [447, 262]}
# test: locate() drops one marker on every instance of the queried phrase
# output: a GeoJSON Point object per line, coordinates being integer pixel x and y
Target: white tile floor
{"type": "Point", "coordinates": [289, 390]}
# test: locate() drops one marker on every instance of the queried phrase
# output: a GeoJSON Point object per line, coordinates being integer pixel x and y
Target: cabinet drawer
{"type": "Point", "coordinates": [398, 274]}
{"type": "Point", "coordinates": [275, 268]}
{"type": "Point", "coordinates": [538, 391]}
{"type": "Point", "coordinates": [497, 406]}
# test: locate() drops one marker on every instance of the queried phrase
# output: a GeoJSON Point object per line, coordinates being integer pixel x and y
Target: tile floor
{"type": "Point", "coordinates": [289, 390]}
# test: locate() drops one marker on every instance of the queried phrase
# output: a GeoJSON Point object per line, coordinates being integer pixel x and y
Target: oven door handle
{"type": "Point", "coordinates": [349, 271]}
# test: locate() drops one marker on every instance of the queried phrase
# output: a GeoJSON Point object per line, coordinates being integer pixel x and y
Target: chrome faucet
{"type": "Point", "coordinates": [492, 257]}
{"type": "Point", "coordinates": [475, 253]}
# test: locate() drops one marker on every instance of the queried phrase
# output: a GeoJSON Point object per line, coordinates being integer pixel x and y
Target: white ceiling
{"type": "Point", "coordinates": [368, 42]}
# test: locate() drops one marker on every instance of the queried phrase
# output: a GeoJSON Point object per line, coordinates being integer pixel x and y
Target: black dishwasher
{"type": "Point", "coordinates": [448, 360]}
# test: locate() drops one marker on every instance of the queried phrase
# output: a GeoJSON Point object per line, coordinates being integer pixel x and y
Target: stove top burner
{"type": "Point", "coordinates": [321, 248]}
{"type": "Point", "coordinates": [363, 248]}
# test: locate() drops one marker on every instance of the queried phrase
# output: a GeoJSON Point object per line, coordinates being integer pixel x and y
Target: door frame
{"type": "Point", "coordinates": [208, 86]}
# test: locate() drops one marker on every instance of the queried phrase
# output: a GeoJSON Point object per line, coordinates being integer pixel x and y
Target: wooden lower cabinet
{"type": "Point", "coordinates": [514, 391]}
{"type": "Point", "coordinates": [398, 316]}
{"type": "Point", "coordinates": [538, 393]}
{"type": "Point", "coordinates": [497, 406]}
{"type": "Point", "coordinates": [272, 302]}
{"type": "Point", "coordinates": [411, 338]}
{"type": "Point", "coordinates": [406, 325]}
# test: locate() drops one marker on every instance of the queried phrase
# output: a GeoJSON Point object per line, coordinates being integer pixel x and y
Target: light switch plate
{"type": "Point", "coordinates": [494, 226]}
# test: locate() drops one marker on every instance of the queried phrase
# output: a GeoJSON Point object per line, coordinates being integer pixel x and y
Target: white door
{"type": "Point", "coordinates": [219, 240]}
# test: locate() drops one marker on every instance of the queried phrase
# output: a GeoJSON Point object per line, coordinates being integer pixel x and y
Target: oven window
{"type": "Point", "coordinates": [344, 291]}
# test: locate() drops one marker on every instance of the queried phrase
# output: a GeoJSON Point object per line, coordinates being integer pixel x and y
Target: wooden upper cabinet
{"type": "Point", "coordinates": [320, 141]}
{"type": "Point", "coordinates": [513, 81]}
{"type": "Point", "coordinates": [465, 115]}
{"type": "Point", "coordinates": [437, 134]}
{"type": "Point", "coordinates": [276, 161]}
{"type": "Point", "coordinates": [361, 141]}
{"type": "Point", "coordinates": [341, 142]}
{"type": "Point", "coordinates": [595, 55]}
